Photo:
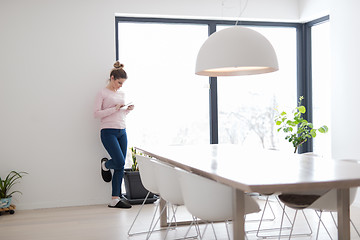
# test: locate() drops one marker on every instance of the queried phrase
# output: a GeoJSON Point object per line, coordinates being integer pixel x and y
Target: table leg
{"type": "Point", "coordinates": [343, 206]}
{"type": "Point", "coordinates": [238, 214]}
{"type": "Point", "coordinates": [163, 216]}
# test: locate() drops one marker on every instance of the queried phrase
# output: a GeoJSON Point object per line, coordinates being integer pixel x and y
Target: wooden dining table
{"type": "Point", "coordinates": [249, 170]}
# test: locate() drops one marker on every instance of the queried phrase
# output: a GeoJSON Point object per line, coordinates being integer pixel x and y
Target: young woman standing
{"type": "Point", "coordinates": [111, 108]}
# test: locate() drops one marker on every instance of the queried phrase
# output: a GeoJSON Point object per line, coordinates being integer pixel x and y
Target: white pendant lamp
{"type": "Point", "coordinates": [236, 51]}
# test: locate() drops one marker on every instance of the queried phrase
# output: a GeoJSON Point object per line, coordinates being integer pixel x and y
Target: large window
{"type": "Point", "coordinates": [321, 85]}
{"type": "Point", "coordinates": [171, 102]}
{"type": "Point", "coordinates": [247, 104]}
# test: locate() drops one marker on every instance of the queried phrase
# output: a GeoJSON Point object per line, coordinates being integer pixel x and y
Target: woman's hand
{"type": "Point", "coordinates": [118, 106]}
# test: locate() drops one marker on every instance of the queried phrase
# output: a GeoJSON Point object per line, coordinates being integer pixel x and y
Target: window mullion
{"type": "Point", "coordinates": [213, 102]}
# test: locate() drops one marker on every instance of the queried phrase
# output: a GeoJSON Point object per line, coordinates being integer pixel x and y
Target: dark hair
{"type": "Point", "coordinates": [118, 72]}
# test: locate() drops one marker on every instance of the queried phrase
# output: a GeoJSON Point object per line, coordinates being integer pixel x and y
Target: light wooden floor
{"type": "Point", "coordinates": [99, 222]}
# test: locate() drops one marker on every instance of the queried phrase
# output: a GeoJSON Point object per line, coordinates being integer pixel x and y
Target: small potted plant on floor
{"type": "Point", "coordinates": [6, 192]}
{"type": "Point", "coordinates": [135, 190]}
{"type": "Point", "coordinates": [297, 129]}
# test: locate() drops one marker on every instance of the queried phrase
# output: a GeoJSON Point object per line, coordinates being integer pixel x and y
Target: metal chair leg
{"type": "Point", "coordinates": [170, 223]}
{"type": "Point", "coordinates": [158, 219]}
{"type": "Point", "coordinates": [284, 214]}
{"type": "Point", "coordinates": [187, 232]}
{"type": "Point", "coordinates": [142, 205]}
{"type": "Point", "coordinates": [267, 203]}
{"type": "Point", "coordinates": [355, 228]}
{"type": "Point", "coordinates": [320, 221]}
{"type": "Point", "coordinates": [227, 229]}
{"type": "Point", "coordinates": [212, 226]}
{"type": "Point", "coordinates": [292, 226]}
{"type": "Point", "coordinates": [293, 223]}
{"type": "Point", "coordinates": [332, 216]}
{"type": "Point", "coordinates": [152, 224]}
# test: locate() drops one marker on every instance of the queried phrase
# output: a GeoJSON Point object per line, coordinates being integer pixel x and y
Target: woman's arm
{"type": "Point", "coordinates": [100, 113]}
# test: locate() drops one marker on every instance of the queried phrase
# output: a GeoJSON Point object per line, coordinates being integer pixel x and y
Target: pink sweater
{"type": "Point", "coordinates": [105, 103]}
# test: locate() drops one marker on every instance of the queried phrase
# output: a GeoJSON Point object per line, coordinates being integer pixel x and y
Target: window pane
{"type": "Point", "coordinates": [247, 103]}
{"type": "Point", "coordinates": [321, 83]}
{"type": "Point", "coordinates": [171, 102]}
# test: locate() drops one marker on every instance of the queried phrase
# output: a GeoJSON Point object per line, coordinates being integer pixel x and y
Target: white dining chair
{"type": "Point", "coordinates": [198, 194]}
{"type": "Point", "coordinates": [320, 201]}
{"type": "Point", "coordinates": [324, 203]}
{"type": "Point", "coordinates": [148, 179]}
{"type": "Point", "coordinates": [328, 203]}
{"type": "Point", "coordinates": [170, 190]}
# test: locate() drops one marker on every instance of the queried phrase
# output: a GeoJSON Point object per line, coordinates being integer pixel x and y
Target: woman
{"type": "Point", "coordinates": [111, 109]}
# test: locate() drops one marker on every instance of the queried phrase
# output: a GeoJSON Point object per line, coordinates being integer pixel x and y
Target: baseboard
{"type": "Point", "coordinates": [57, 204]}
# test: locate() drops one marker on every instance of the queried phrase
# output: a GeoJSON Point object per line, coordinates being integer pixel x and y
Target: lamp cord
{"type": "Point", "coordinates": [241, 11]}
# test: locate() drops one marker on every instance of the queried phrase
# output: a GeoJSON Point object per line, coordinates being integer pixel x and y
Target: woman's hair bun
{"type": "Point", "coordinates": [117, 64]}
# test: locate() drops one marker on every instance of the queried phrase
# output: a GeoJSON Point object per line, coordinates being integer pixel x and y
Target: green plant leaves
{"type": "Point", "coordinates": [313, 133]}
{"type": "Point", "coordinates": [10, 180]}
{"type": "Point", "coordinates": [301, 109]}
{"type": "Point", "coordinates": [323, 129]}
{"type": "Point", "coordinates": [298, 129]}
{"type": "Point", "coordinates": [134, 166]}
{"type": "Point", "coordinates": [292, 123]}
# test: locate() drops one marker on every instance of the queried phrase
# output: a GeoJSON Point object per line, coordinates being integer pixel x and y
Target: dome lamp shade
{"type": "Point", "coordinates": [236, 51]}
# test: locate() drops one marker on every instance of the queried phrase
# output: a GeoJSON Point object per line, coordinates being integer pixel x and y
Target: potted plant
{"type": "Point", "coordinates": [135, 190]}
{"type": "Point", "coordinates": [6, 185]}
{"type": "Point", "coordinates": [297, 129]}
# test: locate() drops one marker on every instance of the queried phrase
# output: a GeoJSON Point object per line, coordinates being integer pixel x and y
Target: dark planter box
{"type": "Point", "coordinates": [135, 190]}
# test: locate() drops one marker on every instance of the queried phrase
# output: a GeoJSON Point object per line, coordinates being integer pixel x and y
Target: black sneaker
{"type": "Point", "coordinates": [121, 204]}
{"type": "Point", "coordinates": [106, 175]}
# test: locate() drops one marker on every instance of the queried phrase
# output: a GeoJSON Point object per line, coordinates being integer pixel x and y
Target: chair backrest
{"type": "Point", "coordinates": [168, 183]}
{"type": "Point", "coordinates": [328, 201]}
{"type": "Point", "coordinates": [210, 200]}
{"type": "Point", "coordinates": [147, 176]}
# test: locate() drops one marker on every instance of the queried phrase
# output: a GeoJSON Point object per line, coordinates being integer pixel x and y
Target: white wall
{"type": "Point", "coordinates": [344, 22]}
{"type": "Point", "coordinates": [313, 9]}
{"type": "Point", "coordinates": [345, 38]}
{"type": "Point", "coordinates": [54, 57]}
{"type": "Point", "coordinates": [282, 10]}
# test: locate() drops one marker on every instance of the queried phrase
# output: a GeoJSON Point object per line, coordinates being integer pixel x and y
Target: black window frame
{"type": "Point", "coordinates": [303, 49]}
{"type": "Point", "coordinates": [304, 86]}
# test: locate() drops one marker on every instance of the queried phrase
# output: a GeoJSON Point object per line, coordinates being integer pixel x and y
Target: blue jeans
{"type": "Point", "coordinates": [115, 143]}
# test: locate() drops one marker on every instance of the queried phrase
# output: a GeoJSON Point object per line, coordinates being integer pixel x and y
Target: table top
{"type": "Point", "coordinates": [258, 170]}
